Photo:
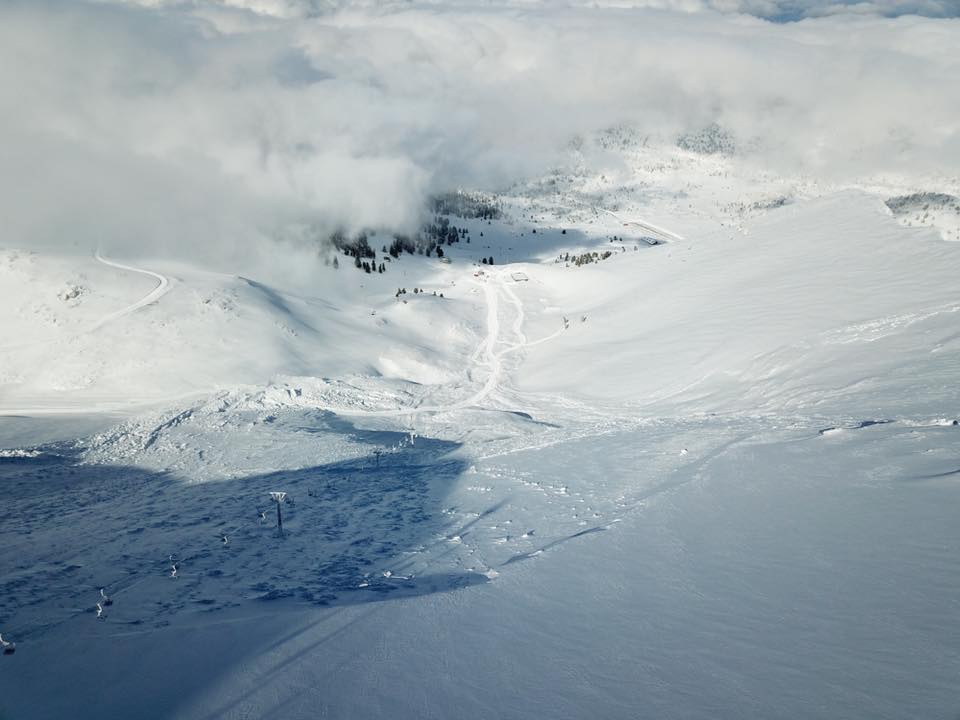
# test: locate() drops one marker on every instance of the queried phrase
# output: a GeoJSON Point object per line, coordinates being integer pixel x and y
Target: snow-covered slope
{"type": "Point", "coordinates": [811, 301]}
{"type": "Point", "coordinates": [709, 476]}
{"type": "Point", "coordinates": [88, 334]}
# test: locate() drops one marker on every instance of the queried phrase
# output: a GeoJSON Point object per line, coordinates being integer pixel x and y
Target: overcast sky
{"type": "Point", "coordinates": [776, 10]}
{"type": "Point", "coordinates": [205, 124]}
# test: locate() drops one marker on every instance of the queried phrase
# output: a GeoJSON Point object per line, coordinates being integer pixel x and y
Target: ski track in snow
{"type": "Point", "coordinates": [162, 288]}
{"type": "Point", "coordinates": [486, 352]}
{"type": "Point", "coordinates": [661, 233]}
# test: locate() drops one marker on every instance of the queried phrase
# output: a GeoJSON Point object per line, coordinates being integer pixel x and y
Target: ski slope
{"type": "Point", "coordinates": [492, 284]}
{"type": "Point", "coordinates": [707, 478]}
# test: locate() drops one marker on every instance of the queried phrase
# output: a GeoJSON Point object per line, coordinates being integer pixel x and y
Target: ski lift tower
{"type": "Point", "coordinates": [278, 498]}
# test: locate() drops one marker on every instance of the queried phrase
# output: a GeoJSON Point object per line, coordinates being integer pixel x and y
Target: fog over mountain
{"type": "Point", "coordinates": [195, 125]}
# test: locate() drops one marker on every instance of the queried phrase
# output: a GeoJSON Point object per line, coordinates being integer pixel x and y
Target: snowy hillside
{"type": "Point", "coordinates": [515, 360]}
{"type": "Point", "coordinates": [689, 436]}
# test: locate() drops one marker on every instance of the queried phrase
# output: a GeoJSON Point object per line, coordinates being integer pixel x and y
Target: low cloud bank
{"type": "Point", "coordinates": [203, 127]}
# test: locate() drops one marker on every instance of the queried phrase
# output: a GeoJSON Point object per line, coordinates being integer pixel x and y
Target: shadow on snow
{"type": "Point", "coordinates": [354, 531]}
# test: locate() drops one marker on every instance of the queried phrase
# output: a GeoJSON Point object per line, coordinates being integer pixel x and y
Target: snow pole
{"type": "Point", "coordinates": [278, 498]}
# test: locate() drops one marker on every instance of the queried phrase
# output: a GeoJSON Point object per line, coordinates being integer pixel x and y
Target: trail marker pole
{"type": "Point", "coordinates": [278, 498]}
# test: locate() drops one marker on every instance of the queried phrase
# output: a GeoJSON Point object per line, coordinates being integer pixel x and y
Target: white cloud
{"type": "Point", "coordinates": [773, 9]}
{"type": "Point", "coordinates": [198, 125]}
{"type": "Point", "coordinates": [887, 8]}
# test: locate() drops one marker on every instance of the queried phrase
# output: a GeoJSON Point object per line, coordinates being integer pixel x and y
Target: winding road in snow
{"type": "Point", "coordinates": [162, 288]}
